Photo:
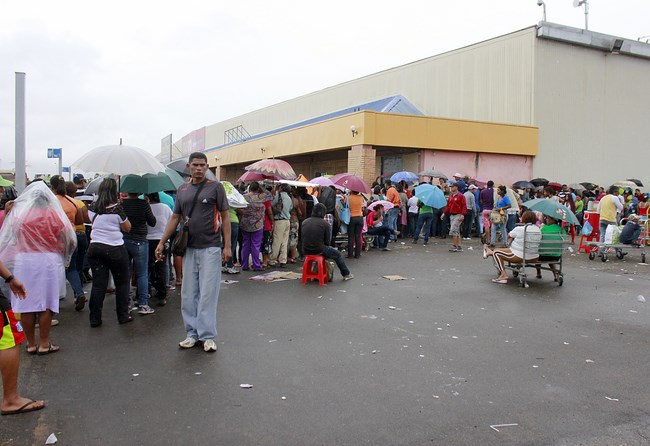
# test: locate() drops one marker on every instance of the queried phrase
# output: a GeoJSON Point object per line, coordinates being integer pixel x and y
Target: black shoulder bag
{"type": "Point", "coordinates": [180, 242]}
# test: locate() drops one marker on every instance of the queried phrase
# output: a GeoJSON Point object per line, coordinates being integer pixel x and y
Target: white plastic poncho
{"type": "Point", "coordinates": [36, 224]}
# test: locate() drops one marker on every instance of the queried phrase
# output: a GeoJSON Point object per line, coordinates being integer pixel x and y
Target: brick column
{"type": "Point", "coordinates": [220, 173]}
{"type": "Point", "coordinates": [361, 162]}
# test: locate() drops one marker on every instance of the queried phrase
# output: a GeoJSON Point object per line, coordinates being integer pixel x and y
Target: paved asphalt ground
{"type": "Point", "coordinates": [435, 359]}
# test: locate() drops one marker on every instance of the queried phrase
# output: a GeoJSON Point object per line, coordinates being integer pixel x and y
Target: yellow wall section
{"type": "Point", "coordinates": [387, 130]}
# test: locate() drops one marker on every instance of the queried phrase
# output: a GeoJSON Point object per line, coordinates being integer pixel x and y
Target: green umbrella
{"type": "Point", "coordinates": [151, 182]}
{"type": "Point", "coordinates": [553, 209]}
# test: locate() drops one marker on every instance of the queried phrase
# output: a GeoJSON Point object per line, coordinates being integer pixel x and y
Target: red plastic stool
{"type": "Point", "coordinates": [321, 270]}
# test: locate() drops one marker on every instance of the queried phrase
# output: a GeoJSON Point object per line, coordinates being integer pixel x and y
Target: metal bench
{"type": "Point", "coordinates": [548, 259]}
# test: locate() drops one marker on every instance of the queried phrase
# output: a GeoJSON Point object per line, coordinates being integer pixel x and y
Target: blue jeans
{"type": "Point", "coordinates": [391, 220]}
{"type": "Point", "coordinates": [512, 220]}
{"type": "Point", "coordinates": [139, 259]}
{"type": "Point", "coordinates": [334, 254]}
{"type": "Point", "coordinates": [200, 292]}
{"type": "Point", "coordinates": [382, 233]}
{"type": "Point", "coordinates": [493, 234]}
{"type": "Point", "coordinates": [73, 276]}
{"type": "Point", "coordinates": [423, 220]}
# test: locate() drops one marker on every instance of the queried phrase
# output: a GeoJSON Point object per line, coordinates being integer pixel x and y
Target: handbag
{"type": "Point", "coordinates": [179, 246]}
{"type": "Point", "coordinates": [344, 214]}
{"type": "Point", "coordinates": [497, 218]}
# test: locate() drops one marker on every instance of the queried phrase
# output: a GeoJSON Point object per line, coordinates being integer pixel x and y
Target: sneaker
{"type": "Point", "coordinates": [162, 302]}
{"type": "Point", "coordinates": [467, 238]}
{"type": "Point", "coordinates": [348, 277]}
{"type": "Point", "coordinates": [415, 242]}
{"type": "Point", "coordinates": [209, 346]}
{"type": "Point", "coordinates": [232, 270]}
{"type": "Point", "coordinates": [425, 243]}
{"type": "Point", "coordinates": [171, 287]}
{"type": "Point", "coordinates": [485, 255]}
{"type": "Point", "coordinates": [453, 249]}
{"type": "Point", "coordinates": [386, 249]}
{"type": "Point", "coordinates": [187, 343]}
{"type": "Point", "coordinates": [145, 309]}
{"type": "Point", "coordinates": [459, 249]}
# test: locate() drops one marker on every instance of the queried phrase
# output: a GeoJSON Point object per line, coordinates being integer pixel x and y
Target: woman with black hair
{"type": "Point", "coordinates": [73, 212]}
{"type": "Point", "coordinates": [107, 253]}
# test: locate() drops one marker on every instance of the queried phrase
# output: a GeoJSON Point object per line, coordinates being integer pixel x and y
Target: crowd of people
{"type": "Point", "coordinates": [53, 234]}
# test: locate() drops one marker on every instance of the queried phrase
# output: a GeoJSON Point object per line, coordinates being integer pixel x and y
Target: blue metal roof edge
{"type": "Point", "coordinates": [392, 104]}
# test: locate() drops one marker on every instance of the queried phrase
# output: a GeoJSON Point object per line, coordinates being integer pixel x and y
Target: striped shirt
{"type": "Point", "coordinates": [140, 215]}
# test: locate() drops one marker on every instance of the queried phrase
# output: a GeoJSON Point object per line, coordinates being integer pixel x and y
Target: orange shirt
{"type": "Point", "coordinates": [69, 207]}
{"type": "Point", "coordinates": [356, 205]}
{"type": "Point", "coordinates": [393, 196]}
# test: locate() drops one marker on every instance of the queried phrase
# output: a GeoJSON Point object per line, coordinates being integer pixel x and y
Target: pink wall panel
{"type": "Point", "coordinates": [502, 169]}
{"type": "Point", "coordinates": [449, 162]}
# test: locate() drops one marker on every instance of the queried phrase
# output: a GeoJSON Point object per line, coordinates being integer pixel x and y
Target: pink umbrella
{"type": "Point", "coordinates": [272, 166]}
{"type": "Point", "coordinates": [478, 182]}
{"type": "Point", "coordinates": [386, 204]}
{"type": "Point", "coordinates": [351, 182]}
{"type": "Point", "coordinates": [322, 181]}
{"type": "Point", "coordinates": [256, 176]}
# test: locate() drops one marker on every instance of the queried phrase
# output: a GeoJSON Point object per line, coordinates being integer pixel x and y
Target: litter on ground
{"type": "Point", "coordinates": [494, 426]}
{"type": "Point", "coordinates": [394, 277]}
{"type": "Point", "coordinates": [277, 276]}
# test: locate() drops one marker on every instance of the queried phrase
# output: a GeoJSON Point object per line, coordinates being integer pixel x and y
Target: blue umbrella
{"type": "Point", "coordinates": [431, 195]}
{"type": "Point", "coordinates": [404, 176]}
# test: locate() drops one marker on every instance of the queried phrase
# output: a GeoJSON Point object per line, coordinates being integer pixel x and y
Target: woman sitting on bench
{"type": "Point", "coordinates": [516, 252]}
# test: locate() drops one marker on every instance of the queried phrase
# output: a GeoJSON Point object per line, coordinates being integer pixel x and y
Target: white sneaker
{"type": "Point", "coordinates": [348, 277]}
{"type": "Point", "coordinates": [209, 346]}
{"type": "Point", "coordinates": [143, 310]}
{"type": "Point", "coordinates": [187, 343]}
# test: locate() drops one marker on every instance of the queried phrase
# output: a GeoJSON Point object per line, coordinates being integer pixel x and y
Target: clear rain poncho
{"type": "Point", "coordinates": [36, 224]}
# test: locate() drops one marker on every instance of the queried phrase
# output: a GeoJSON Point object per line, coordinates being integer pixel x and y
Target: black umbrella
{"type": "Point", "coordinates": [635, 181]}
{"type": "Point", "coordinates": [180, 166]}
{"type": "Point", "coordinates": [92, 188]}
{"type": "Point", "coordinates": [539, 181]}
{"type": "Point", "coordinates": [588, 185]}
{"type": "Point", "coordinates": [523, 185]}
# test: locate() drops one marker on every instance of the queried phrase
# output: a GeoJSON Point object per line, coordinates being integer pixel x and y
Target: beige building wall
{"type": "Point", "coordinates": [591, 108]}
{"type": "Point", "coordinates": [488, 81]}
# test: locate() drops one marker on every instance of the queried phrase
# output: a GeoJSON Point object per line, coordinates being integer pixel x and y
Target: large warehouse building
{"type": "Point", "coordinates": [549, 101]}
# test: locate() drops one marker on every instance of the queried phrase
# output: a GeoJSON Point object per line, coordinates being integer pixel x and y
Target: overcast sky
{"type": "Point", "coordinates": [98, 71]}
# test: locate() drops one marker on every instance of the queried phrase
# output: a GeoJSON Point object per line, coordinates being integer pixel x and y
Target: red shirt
{"type": "Point", "coordinates": [40, 231]}
{"type": "Point", "coordinates": [456, 204]}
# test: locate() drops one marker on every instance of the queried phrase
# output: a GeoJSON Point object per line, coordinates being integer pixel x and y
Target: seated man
{"type": "Point", "coordinates": [376, 226]}
{"type": "Point", "coordinates": [316, 236]}
{"type": "Point", "coordinates": [631, 231]}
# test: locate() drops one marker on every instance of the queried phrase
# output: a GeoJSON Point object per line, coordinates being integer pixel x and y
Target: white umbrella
{"type": "Point", "coordinates": [120, 160]}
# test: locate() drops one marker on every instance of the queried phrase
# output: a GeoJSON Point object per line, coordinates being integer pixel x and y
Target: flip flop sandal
{"type": "Point", "coordinates": [503, 281]}
{"type": "Point", "coordinates": [50, 349]}
{"type": "Point", "coordinates": [23, 409]}
{"type": "Point", "coordinates": [31, 352]}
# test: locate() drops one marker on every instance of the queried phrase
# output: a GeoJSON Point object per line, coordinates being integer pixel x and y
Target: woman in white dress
{"type": "Point", "coordinates": [37, 242]}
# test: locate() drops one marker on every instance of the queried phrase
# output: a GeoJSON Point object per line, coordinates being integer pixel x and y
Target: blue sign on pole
{"type": "Point", "coordinates": [66, 169]}
{"type": "Point", "coordinates": [54, 153]}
